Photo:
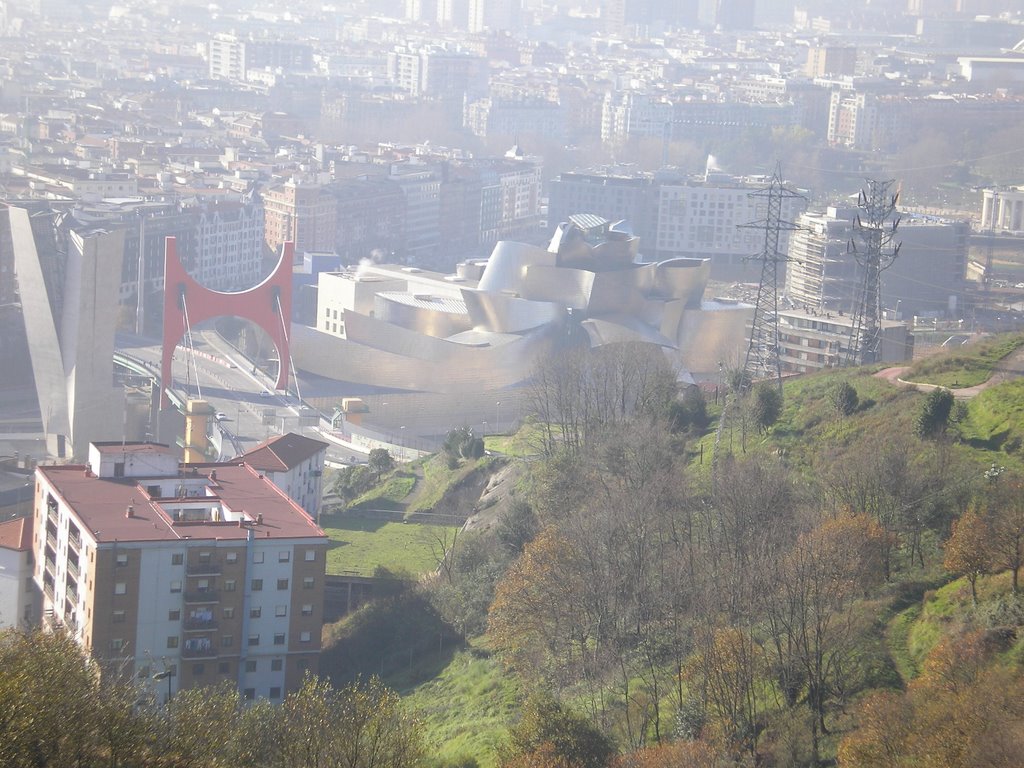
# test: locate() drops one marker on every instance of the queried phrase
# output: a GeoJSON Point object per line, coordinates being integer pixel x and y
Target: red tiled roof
{"type": "Point", "coordinates": [101, 503]}
{"type": "Point", "coordinates": [284, 452]}
{"type": "Point", "coordinates": [16, 534]}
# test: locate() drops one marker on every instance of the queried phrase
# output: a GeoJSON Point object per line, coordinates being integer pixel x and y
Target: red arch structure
{"type": "Point", "coordinates": [268, 305]}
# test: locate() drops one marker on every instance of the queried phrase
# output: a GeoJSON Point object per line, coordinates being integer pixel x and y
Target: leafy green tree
{"type": "Point", "coordinates": [690, 412]}
{"type": "Point", "coordinates": [380, 461]}
{"type": "Point", "coordinates": [562, 737]}
{"type": "Point", "coordinates": [844, 399]}
{"type": "Point", "coordinates": [517, 527]}
{"type": "Point", "coordinates": [933, 417]}
{"type": "Point", "coordinates": [766, 407]}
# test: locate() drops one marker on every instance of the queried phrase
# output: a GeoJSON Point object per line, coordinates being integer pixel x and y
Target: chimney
{"type": "Point", "coordinates": [129, 512]}
{"type": "Point", "coordinates": [213, 475]}
{"type": "Point", "coordinates": [259, 519]}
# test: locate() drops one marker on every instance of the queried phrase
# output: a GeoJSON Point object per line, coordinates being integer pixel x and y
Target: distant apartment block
{"type": "Point", "coordinates": [197, 573]}
{"type": "Point", "coordinates": [674, 215]}
{"type": "Point", "coordinates": [299, 212]}
{"type": "Point", "coordinates": [812, 340]}
{"type": "Point", "coordinates": [19, 595]}
{"type": "Point", "coordinates": [832, 60]}
{"type": "Point", "coordinates": [295, 464]}
{"type": "Point", "coordinates": [927, 278]}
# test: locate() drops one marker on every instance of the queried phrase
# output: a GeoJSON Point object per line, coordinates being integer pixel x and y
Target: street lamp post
{"type": "Point", "coordinates": [167, 674]}
{"type": "Point", "coordinates": [401, 441]}
{"type": "Point", "coordinates": [497, 416]}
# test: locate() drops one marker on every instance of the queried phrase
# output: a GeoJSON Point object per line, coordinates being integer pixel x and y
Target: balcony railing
{"type": "Point", "coordinates": [200, 625]}
{"type": "Point", "coordinates": [203, 569]}
{"type": "Point", "coordinates": [73, 569]}
{"type": "Point", "coordinates": [48, 589]}
{"type": "Point", "coordinates": [199, 652]}
{"type": "Point", "coordinates": [75, 541]}
{"type": "Point", "coordinates": [202, 596]}
{"type": "Point", "coordinates": [51, 539]}
{"type": "Point", "coordinates": [51, 565]}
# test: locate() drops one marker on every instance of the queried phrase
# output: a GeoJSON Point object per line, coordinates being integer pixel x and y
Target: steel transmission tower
{"type": "Point", "coordinates": [876, 228]}
{"type": "Point", "coordinates": [762, 359]}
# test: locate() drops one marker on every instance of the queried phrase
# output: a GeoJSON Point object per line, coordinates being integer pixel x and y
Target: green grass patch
{"type": "Point", "coordinates": [360, 545]}
{"type": "Point", "coordinates": [996, 418]}
{"type": "Point", "coordinates": [466, 709]}
{"type": "Point", "coordinates": [898, 640]}
{"type": "Point", "coordinates": [525, 442]}
{"type": "Point", "coordinates": [390, 494]}
{"type": "Point", "coordinates": [966, 367]}
{"type": "Point", "coordinates": [437, 479]}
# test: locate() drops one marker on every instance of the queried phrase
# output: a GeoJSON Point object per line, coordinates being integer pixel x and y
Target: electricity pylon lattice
{"type": "Point", "coordinates": [762, 358]}
{"type": "Point", "coordinates": [875, 227]}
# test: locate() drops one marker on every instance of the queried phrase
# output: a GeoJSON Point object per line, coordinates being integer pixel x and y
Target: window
{"type": "Point", "coordinates": [307, 582]}
{"type": "Point", "coordinates": [307, 609]}
{"type": "Point", "coordinates": [172, 641]}
{"type": "Point", "coordinates": [279, 638]}
{"type": "Point", "coordinates": [305, 637]}
{"type": "Point", "coordinates": [276, 665]}
{"type": "Point", "coordinates": [250, 665]}
{"type": "Point", "coordinates": [204, 558]}
{"type": "Point", "coordinates": [249, 694]}
{"type": "Point", "coordinates": [224, 668]}
{"type": "Point", "coordinates": [118, 469]}
{"type": "Point", "coordinates": [118, 617]}
{"type": "Point", "coordinates": [254, 640]}
{"type": "Point", "coordinates": [116, 644]}
{"type": "Point", "coordinates": [229, 613]}
{"type": "Point", "coordinates": [174, 615]}
{"type": "Point", "coordinates": [280, 610]}
{"type": "Point", "coordinates": [229, 585]}
{"type": "Point", "coordinates": [310, 555]}
{"type": "Point", "coordinates": [231, 557]}
{"type": "Point", "coordinates": [257, 557]}
{"type": "Point", "coordinates": [282, 583]}
{"type": "Point", "coordinates": [175, 587]}
{"type": "Point", "coordinates": [284, 556]}
{"type": "Point", "coordinates": [120, 588]}
{"type": "Point", "coordinates": [255, 613]}
{"type": "Point", "coordinates": [122, 559]}
{"type": "Point", "coordinates": [227, 641]}
{"type": "Point", "coordinates": [302, 665]}
{"type": "Point", "coordinates": [257, 585]}
{"type": "Point", "coordinates": [198, 669]}
{"type": "Point", "coordinates": [275, 692]}
{"type": "Point", "coordinates": [177, 559]}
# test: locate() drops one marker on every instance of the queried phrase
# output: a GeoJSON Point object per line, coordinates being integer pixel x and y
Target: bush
{"type": "Point", "coordinates": [933, 417]}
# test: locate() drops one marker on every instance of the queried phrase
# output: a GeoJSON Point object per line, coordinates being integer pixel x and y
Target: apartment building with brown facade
{"type": "Point", "coordinates": [181, 575]}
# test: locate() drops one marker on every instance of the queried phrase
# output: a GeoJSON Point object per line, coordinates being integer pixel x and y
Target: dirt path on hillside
{"type": "Point", "coordinates": [1009, 368]}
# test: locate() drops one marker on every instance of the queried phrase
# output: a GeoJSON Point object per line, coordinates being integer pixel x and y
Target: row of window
{"type": "Point", "coordinates": [228, 641]}
{"type": "Point", "coordinates": [283, 556]}
{"type": "Point", "coordinates": [256, 585]}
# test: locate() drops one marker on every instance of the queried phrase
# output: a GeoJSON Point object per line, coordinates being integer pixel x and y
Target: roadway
{"type": "Point", "coordinates": [252, 411]}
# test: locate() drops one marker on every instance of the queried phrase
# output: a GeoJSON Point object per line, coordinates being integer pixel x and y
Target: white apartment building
{"type": "Point", "coordinates": [196, 574]}
{"type": "Point", "coordinates": [295, 464]}
{"type": "Point", "coordinates": [19, 595]}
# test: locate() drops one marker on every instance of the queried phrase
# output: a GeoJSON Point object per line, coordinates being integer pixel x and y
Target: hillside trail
{"type": "Point", "coordinates": [1007, 369]}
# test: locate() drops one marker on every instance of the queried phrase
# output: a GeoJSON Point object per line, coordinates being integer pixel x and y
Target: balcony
{"type": "Point", "coordinates": [73, 571]}
{"type": "Point", "coordinates": [51, 539]}
{"type": "Point", "coordinates": [202, 651]}
{"type": "Point", "coordinates": [48, 589]}
{"type": "Point", "coordinates": [51, 565]}
{"type": "Point", "coordinates": [75, 541]}
{"type": "Point", "coordinates": [203, 569]}
{"type": "Point", "coordinates": [200, 625]}
{"type": "Point", "coordinates": [202, 596]}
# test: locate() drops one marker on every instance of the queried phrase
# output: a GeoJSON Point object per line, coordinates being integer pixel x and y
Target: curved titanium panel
{"type": "Point", "coordinates": [502, 313]}
{"type": "Point", "coordinates": [710, 336]}
{"type": "Point", "coordinates": [439, 321]}
{"type": "Point", "coordinates": [568, 287]}
{"type": "Point", "coordinates": [443, 366]}
{"type": "Point", "coordinates": [683, 279]}
{"type": "Point", "coordinates": [618, 329]}
{"type": "Point", "coordinates": [506, 269]}
{"type": "Point", "coordinates": [621, 290]}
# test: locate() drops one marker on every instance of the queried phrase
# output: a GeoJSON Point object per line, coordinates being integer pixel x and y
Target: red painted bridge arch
{"type": "Point", "coordinates": [268, 305]}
